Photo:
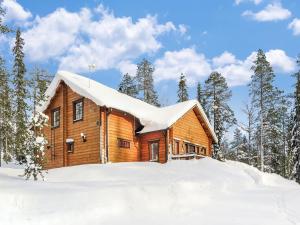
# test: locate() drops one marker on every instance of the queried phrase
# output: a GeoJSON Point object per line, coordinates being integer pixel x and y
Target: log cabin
{"type": "Point", "coordinates": [92, 123]}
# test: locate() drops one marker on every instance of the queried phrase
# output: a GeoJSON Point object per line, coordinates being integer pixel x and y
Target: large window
{"type": "Point", "coordinates": [154, 148]}
{"type": "Point", "coordinates": [78, 110]}
{"type": "Point", "coordinates": [55, 117]}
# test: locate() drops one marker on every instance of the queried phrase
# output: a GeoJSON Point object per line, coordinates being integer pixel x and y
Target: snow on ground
{"type": "Point", "coordinates": [179, 192]}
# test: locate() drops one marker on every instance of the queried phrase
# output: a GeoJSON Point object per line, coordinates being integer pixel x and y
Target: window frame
{"type": "Point", "coordinates": [81, 100]}
{"type": "Point", "coordinates": [122, 141]}
{"type": "Point", "coordinates": [150, 150]}
{"type": "Point", "coordinates": [70, 147]}
{"type": "Point", "coordinates": [203, 150]}
{"type": "Point", "coordinates": [57, 109]}
{"type": "Point", "coordinates": [176, 144]}
{"type": "Point", "coordinates": [188, 146]}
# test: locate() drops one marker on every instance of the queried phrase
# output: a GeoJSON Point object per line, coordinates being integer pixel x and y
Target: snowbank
{"type": "Point", "coordinates": [190, 192]}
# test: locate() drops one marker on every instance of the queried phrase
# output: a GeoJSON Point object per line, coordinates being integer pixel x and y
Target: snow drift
{"type": "Point", "coordinates": [190, 192]}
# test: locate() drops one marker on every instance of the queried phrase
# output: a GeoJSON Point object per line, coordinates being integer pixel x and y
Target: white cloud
{"type": "Point", "coordinates": [182, 28]}
{"type": "Point", "coordinates": [187, 61]}
{"type": "Point", "coordinates": [127, 67]}
{"type": "Point", "coordinates": [280, 61]}
{"type": "Point", "coordinates": [77, 39]}
{"type": "Point", "coordinates": [224, 59]}
{"type": "Point", "coordinates": [272, 12]}
{"type": "Point", "coordinates": [53, 35]}
{"type": "Point", "coordinates": [196, 66]}
{"type": "Point", "coordinates": [14, 11]}
{"type": "Point", "coordinates": [295, 26]}
{"type": "Point", "coordinates": [256, 2]}
{"type": "Point", "coordinates": [237, 72]}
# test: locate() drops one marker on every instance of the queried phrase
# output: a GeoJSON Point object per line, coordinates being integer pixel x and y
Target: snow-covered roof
{"type": "Point", "coordinates": [151, 117]}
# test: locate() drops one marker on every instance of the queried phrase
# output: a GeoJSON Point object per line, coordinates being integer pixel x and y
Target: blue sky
{"type": "Point", "coordinates": [193, 37]}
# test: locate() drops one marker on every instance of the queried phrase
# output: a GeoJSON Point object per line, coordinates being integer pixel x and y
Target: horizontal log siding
{"type": "Point", "coordinates": [84, 152]}
{"type": "Point", "coordinates": [144, 144]}
{"type": "Point", "coordinates": [121, 125]}
{"type": "Point", "coordinates": [189, 128]}
{"type": "Point", "coordinates": [57, 133]}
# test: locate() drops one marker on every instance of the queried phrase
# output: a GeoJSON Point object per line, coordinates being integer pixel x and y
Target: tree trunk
{"type": "Point", "coordinates": [261, 127]}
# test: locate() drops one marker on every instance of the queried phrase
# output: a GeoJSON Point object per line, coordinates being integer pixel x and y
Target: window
{"type": "Point", "coordinates": [203, 151]}
{"type": "Point", "coordinates": [190, 148]}
{"type": "Point", "coordinates": [186, 147]}
{"type": "Point", "coordinates": [70, 147]}
{"type": "Point", "coordinates": [154, 148]}
{"type": "Point", "coordinates": [176, 148]}
{"type": "Point", "coordinates": [123, 143]}
{"type": "Point", "coordinates": [78, 110]}
{"type": "Point", "coordinates": [55, 117]}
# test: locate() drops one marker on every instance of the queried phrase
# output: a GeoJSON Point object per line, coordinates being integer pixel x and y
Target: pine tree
{"type": "Point", "coordinates": [6, 123]}
{"type": "Point", "coordinates": [295, 142]}
{"type": "Point", "coordinates": [20, 104]}
{"type": "Point", "coordinates": [144, 77]}
{"type": "Point", "coordinates": [221, 115]}
{"type": "Point", "coordinates": [36, 141]}
{"type": "Point", "coordinates": [182, 92]}
{"type": "Point", "coordinates": [261, 91]}
{"type": "Point", "coordinates": [201, 97]}
{"type": "Point", "coordinates": [128, 86]}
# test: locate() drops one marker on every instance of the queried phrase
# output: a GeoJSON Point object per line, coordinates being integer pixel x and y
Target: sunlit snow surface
{"type": "Point", "coordinates": [179, 192]}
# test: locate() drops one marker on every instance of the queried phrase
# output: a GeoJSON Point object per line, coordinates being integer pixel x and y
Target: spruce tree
{"type": "Point", "coordinates": [6, 123]}
{"type": "Point", "coordinates": [273, 134]}
{"type": "Point", "coordinates": [289, 157]}
{"type": "Point", "coordinates": [201, 97]}
{"type": "Point", "coordinates": [144, 77]}
{"type": "Point", "coordinates": [221, 115]}
{"type": "Point", "coordinates": [285, 135]}
{"type": "Point", "coordinates": [261, 91]}
{"type": "Point", "coordinates": [128, 86]}
{"type": "Point", "coordinates": [36, 141]}
{"type": "Point", "coordinates": [182, 92]}
{"type": "Point", "coordinates": [20, 103]}
{"type": "Point", "coordinates": [295, 142]}
{"type": "Point", "coordinates": [237, 140]}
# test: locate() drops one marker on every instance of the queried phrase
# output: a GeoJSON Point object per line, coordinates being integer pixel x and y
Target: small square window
{"type": "Point", "coordinates": [123, 143]}
{"type": "Point", "coordinates": [78, 110]}
{"type": "Point", "coordinates": [55, 118]}
{"type": "Point", "coordinates": [70, 147]}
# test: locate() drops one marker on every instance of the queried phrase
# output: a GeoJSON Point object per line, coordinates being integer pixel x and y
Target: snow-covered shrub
{"type": "Point", "coordinates": [35, 146]}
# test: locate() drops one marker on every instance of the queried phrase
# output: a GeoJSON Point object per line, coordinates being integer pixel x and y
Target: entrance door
{"type": "Point", "coordinates": [154, 148]}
